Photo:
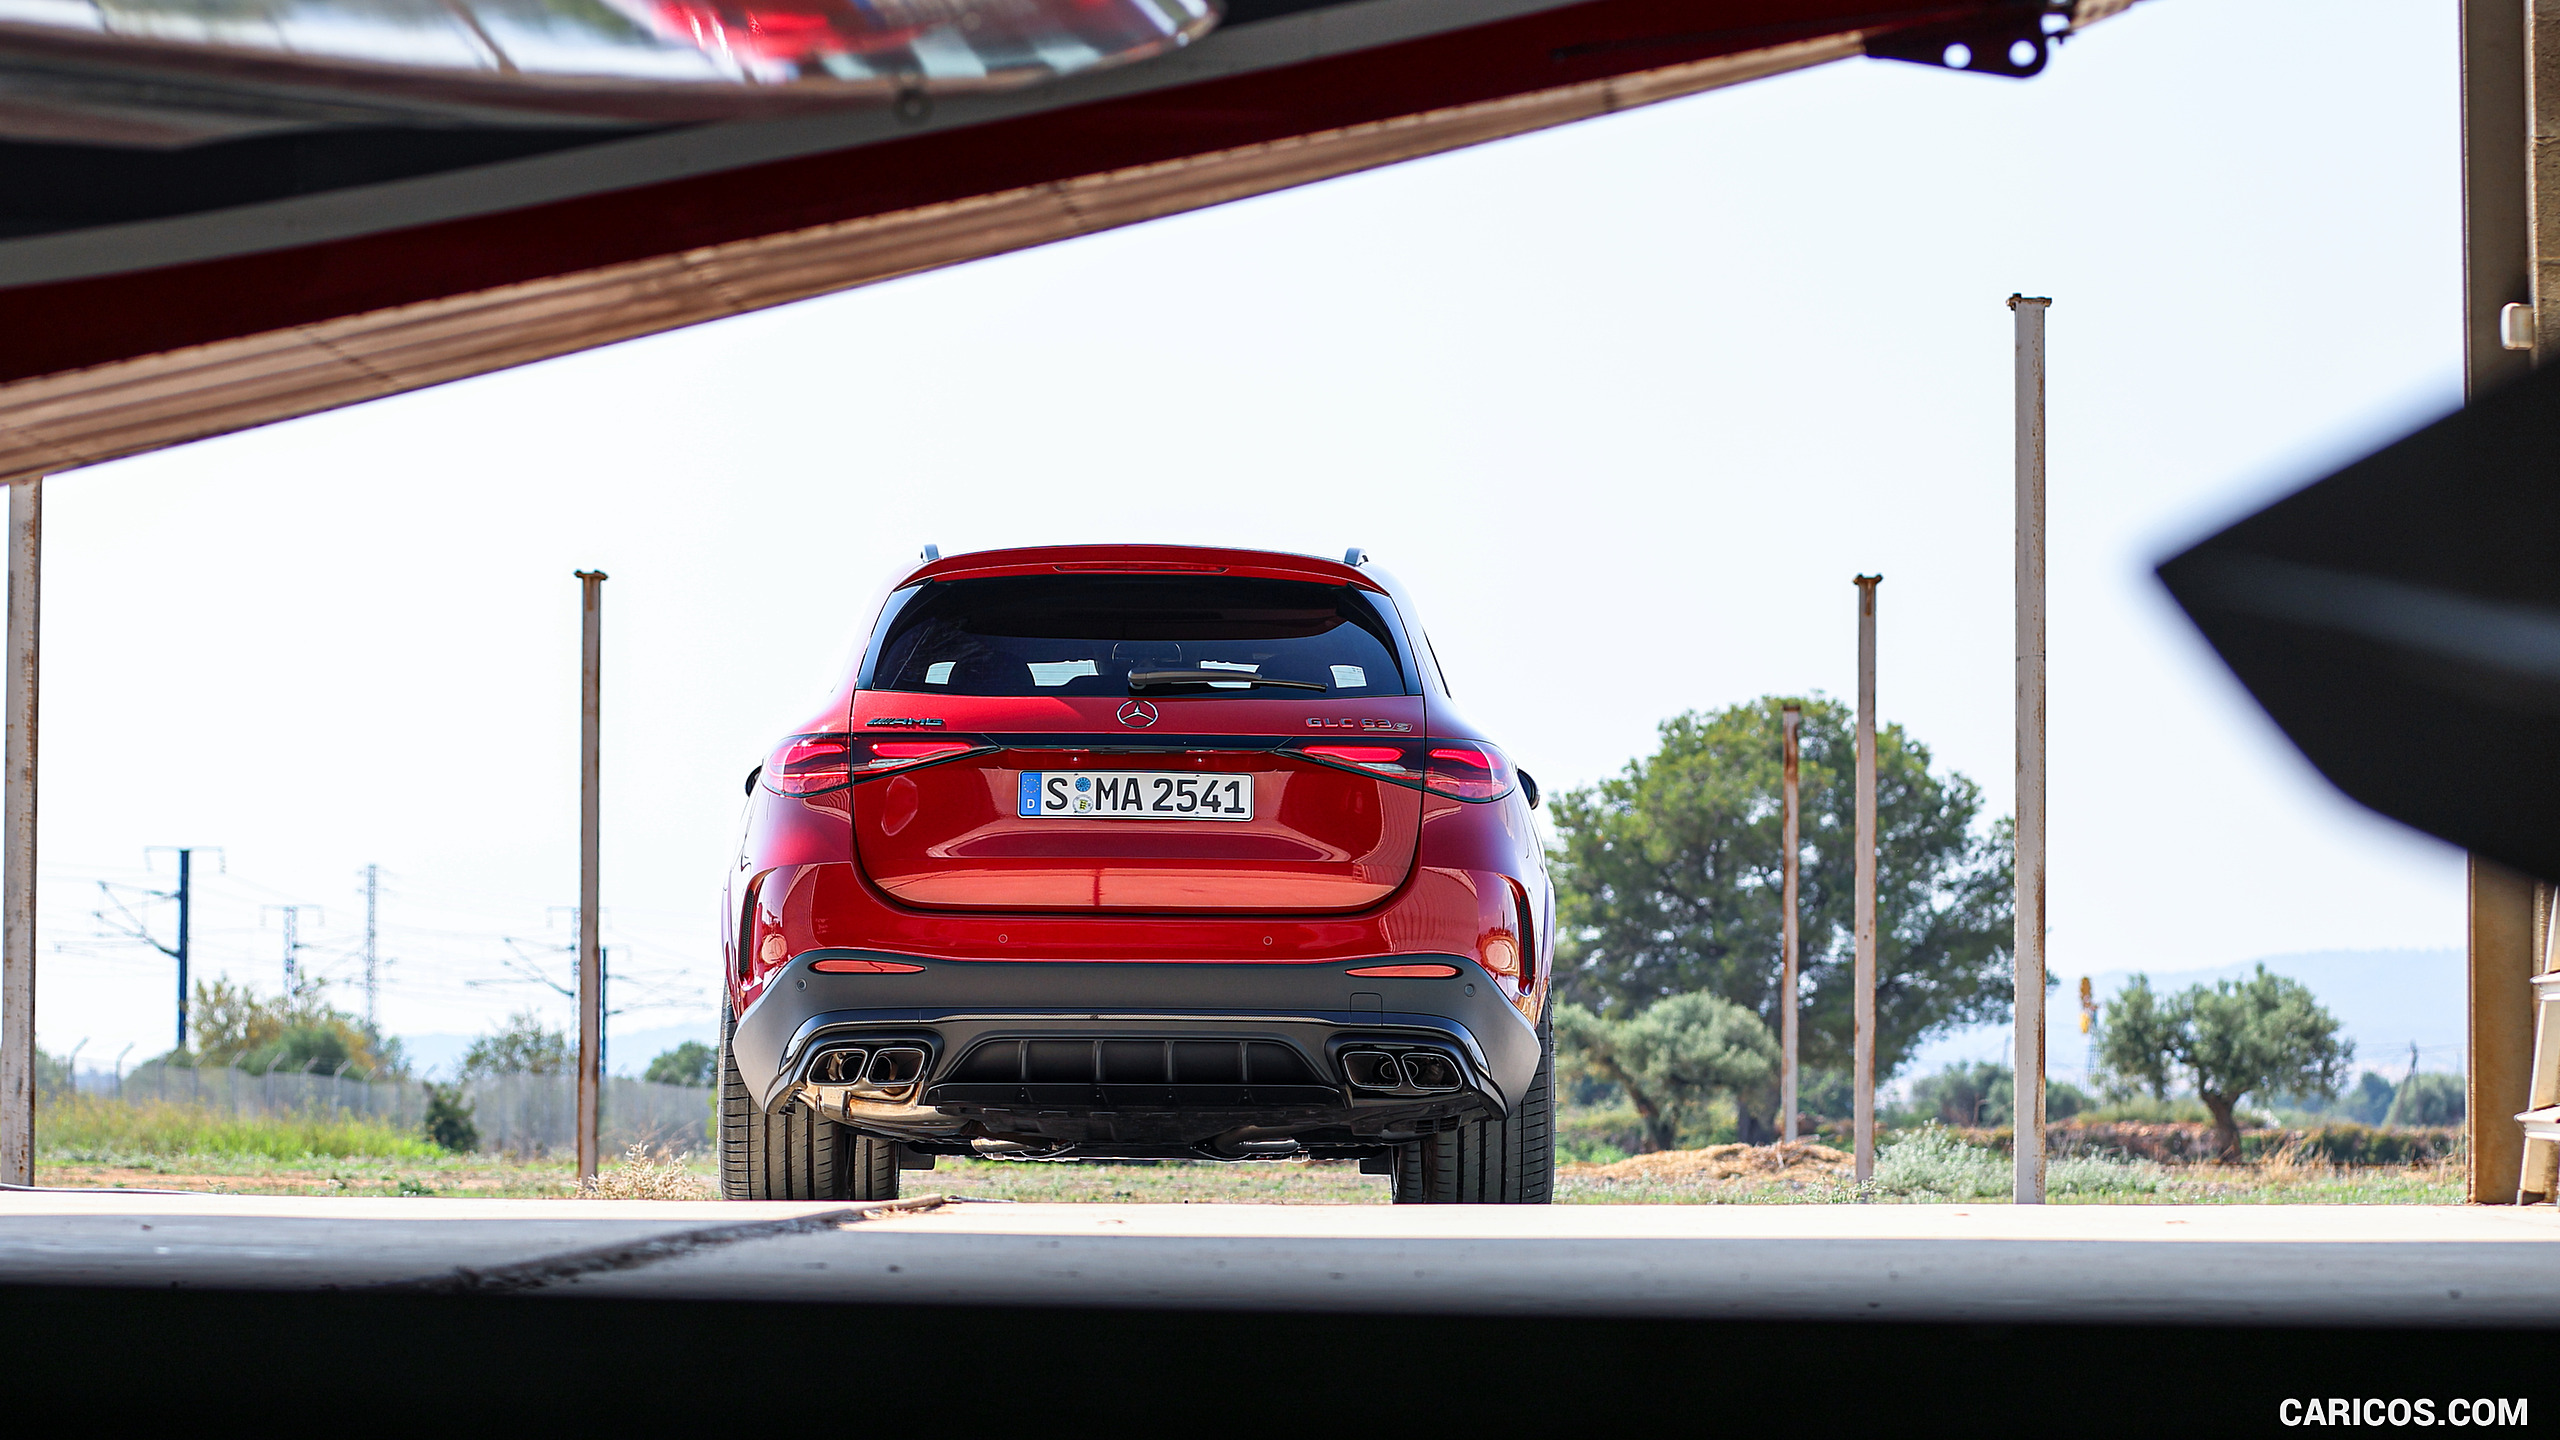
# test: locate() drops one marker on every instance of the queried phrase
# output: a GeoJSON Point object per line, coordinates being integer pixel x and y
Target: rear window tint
{"type": "Point", "coordinates": [1084, 634]}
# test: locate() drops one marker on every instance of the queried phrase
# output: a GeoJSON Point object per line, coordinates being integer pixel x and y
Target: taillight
{"type": "Point", "coordinates": [809, 764]}
{"type": "Point", "coordinates": [814, 764]}
{"type": "Point", "coordinates": [1468, 771]}
{"type": "Point", "coordinates": [905, 750]}
{"type": "Point", "coordinates": [1460, 769]}
{"type": "Point", "coordinates": [1379, 756]}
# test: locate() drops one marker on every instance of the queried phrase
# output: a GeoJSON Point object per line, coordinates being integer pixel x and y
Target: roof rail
{"type": "Point", "coordinates": [930, 552]}
{"type": "Point", "coordinates": [1355, 557]}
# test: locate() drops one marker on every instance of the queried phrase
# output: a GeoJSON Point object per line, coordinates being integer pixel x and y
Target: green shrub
{"type": "Point", "coordinates": [2147, 1110]}
{"type": "Point", "coordinates": [1599, 1136]}
{"type": "Point", "coordinates": [2427, 1098]}
{"type": "Point", "coordinates": [450, 1125]}
{"type": "Point", "coordinates": [2369, 1101]}
{"type": "Point", "coordinates": [2100, 1175]}
{"type": "Point", "coordinates": [690, 1063]}
{"type": "Point", "coordinates": [2366, 1145]}
{"type": "Point", "coordinates": [1977, 1093]}
{"type": "Point", "coordinates": [100, 1125]}
{"type": "Point", "coordinates": [522, 1046]}
{"type": "Point", "coordinates": [1933, 1162]}
{"type": "Point", "coordinates": [1826, 1095]}
{"type": "Point", "coordinates": [300, 1030]}
{"type": "Point", "coordinates": [2064, 1100]}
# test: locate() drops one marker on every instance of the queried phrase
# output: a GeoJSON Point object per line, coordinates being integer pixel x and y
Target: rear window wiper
{"type": "Point", "coordinates": [1149, 679]}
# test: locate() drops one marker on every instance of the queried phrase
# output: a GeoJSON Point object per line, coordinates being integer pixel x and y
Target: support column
{"type": "Point", "coordinates": [2539, 1177]}
{"type": "Point", "coordinates": [2541, 101]}
{"type": "Point", "coordinates": [2501, 1030]}
{"type": "Point", "coordinates": [2027, 951]}
{"type": "Point", "coordinates": [590, 838]}
{"type": "Point", "coordinates": [1863, 974]}
{"type": "Point", "coordinates": [2497, 259]}
{"type": "Point", "coordinates": [1791, 838]}
{"type": "Point", "coordinates": [2500, 200]}
{"type": "Point", "coordinates": [18, 843]}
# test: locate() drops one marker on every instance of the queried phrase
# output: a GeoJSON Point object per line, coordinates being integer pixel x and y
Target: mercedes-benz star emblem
{"type": "Point", "coordinates": [1137, 714]}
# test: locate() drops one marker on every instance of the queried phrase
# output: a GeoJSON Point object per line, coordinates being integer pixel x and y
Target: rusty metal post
{"type": "Point", "coordinates": [590, 844]}
{"type": "Point", "coordinates": [1863, 1002]}
{"type": "Point", "coordinates": [18, 839]}
{"type": "Point", "coordinates": [1790, 829]}
{"type": "Point", "coordinates": [2500, 230]}
{"type": "Point", "coordinates": [2497, 1082]}
{"type": "Point", "coordinates": [2027, 952]}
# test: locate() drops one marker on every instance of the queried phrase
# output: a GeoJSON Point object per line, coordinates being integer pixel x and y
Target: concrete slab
{"type": "Point", "coordinates": [2251, 1265]}
{"type": "Point", "coordinates": [233, 1242]}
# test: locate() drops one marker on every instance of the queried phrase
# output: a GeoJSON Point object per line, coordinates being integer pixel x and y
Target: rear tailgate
{"type": "Point", "coordinates": [951, 835]}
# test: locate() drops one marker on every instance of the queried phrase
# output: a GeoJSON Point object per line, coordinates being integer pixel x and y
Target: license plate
{"type": "Point", "coordinates": [1134, 795]}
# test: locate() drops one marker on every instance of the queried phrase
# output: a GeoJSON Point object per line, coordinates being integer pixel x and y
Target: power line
{"type": "Point", "coordinates": [372, 958]}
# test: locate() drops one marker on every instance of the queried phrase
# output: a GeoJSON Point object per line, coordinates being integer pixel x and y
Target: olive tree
{"type": "Point", "coordinates": [1673, 1058]}
{"type": "Point", "coordinates": [2263, 1035]}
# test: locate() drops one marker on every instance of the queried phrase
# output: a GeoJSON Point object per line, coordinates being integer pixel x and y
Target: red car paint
{"type": "Point", "coordinates": [1336, 867]}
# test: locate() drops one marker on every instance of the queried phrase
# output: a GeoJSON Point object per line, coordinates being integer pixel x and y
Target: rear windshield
{"type": "Point", "coordinates": [1084, 634]}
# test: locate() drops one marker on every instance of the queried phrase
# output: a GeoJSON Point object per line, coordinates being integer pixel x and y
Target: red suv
{"type": "Point", "coordinates": [1139, 851]}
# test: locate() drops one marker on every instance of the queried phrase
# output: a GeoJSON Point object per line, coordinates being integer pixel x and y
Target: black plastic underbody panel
{"type": "Point", "coordinates": [1135, 1053]}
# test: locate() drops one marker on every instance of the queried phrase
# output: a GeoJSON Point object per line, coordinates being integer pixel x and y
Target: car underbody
{"type": "Point", "coordinates": [1061, 1060]}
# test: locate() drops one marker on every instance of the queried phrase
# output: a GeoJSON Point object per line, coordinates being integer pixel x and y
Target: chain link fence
{"type": "Point", "coordinates": [519, 1114]}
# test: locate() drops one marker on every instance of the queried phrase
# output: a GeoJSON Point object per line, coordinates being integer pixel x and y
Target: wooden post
{"type": "Point", "coordinates": [2501, 1029]}
{"type": "Point", "coordinates": [2499, 271]}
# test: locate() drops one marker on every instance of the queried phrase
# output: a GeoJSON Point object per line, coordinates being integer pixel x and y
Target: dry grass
{"type": "Point", "coordinates": [1934, 1166]}
{"type": "Point", "coordinates": [642, 1176]}
{"type": "Point", "coordinates": [1802, 1160]}
{"type": "Point", "coordinates": [1797, 1173]}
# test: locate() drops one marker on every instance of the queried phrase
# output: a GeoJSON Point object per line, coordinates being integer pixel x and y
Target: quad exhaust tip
{"type": "Point", "coordinates": [1425, 1071]}
{"type": "Point", "coordinates": [888, 1073]}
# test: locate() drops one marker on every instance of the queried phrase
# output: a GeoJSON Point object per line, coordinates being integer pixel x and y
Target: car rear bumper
{"type": "Point", "coordinates": [1063, 1057]}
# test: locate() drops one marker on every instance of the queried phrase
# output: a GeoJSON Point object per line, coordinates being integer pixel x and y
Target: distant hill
{"type": "Point", "coordinates": [2384, 999]}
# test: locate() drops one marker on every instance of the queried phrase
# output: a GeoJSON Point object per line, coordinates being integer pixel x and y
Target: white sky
{"type": "Point", "coordinates": [1626, 404]}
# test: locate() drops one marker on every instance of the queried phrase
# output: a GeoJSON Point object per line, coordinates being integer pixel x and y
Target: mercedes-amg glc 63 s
{"type": "Point", "coordinates": [1139, 851]}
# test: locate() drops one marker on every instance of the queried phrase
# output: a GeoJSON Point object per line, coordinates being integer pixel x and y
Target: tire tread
{"type": "Point", "coordinates": [1506, 1161]}
{"type": "Point", "coordinates": [794, 1153]}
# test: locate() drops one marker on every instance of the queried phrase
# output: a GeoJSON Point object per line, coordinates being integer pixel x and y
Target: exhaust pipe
{"type": "Point", "coordinates": [1411, 1072]}
{"type": "Point", "coordinates": [893, 1073]}
{"type": "Point", "coordinates": [1373, 1070]}
{"type": "Point", "coordinates": [1429, 1073]}
{"type": "Point", "coordinates": [839, 1067]}
{"type": "Point", "coordinates": [1013, 1149]}
{"type": "Point", "coordinates": [1252, 1142]}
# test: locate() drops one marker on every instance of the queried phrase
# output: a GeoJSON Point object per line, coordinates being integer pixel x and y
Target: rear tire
{"type": "Point", "coordinates": [794, 1153]}
{"type": "Point", "coordinates": [1510, 1161]}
